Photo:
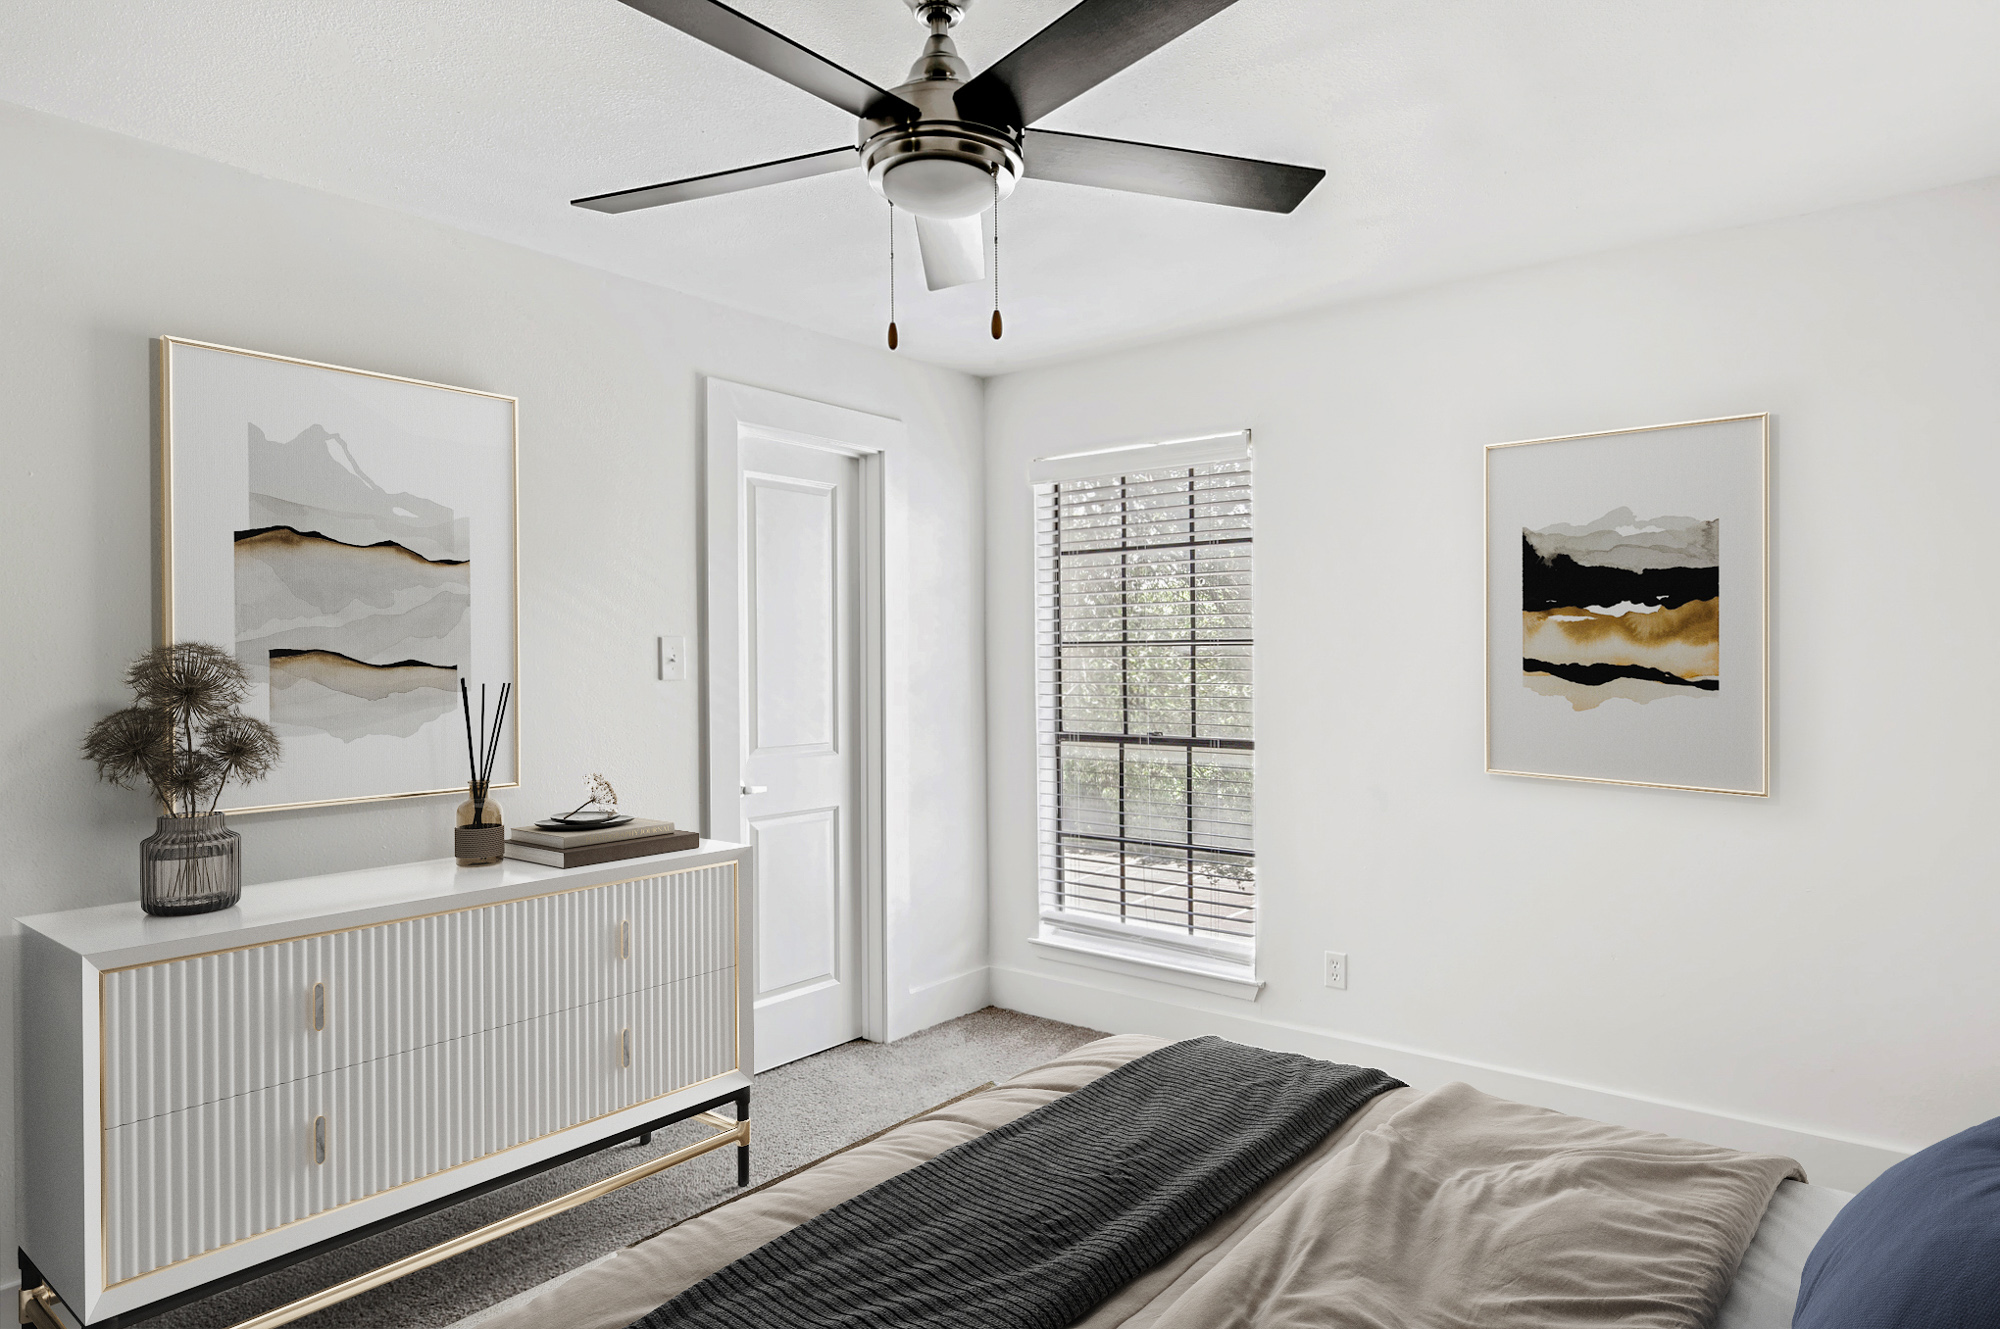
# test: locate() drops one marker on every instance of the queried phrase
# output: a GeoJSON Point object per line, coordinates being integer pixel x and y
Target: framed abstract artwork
{"type": "Point", "coordinates": [1628, 606]}
{"type": "Point", "coordinates": [352, 537]}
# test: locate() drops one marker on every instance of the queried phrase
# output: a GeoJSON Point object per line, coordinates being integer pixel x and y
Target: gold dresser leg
{"type": "Point", "coordinates": [38, 1308]}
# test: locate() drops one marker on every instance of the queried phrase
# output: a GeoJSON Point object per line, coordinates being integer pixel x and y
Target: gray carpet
{"type": "Point", "coordinates": [802, 1112]}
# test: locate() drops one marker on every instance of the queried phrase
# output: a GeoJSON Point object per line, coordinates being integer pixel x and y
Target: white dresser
{"type": "Point", "coordinates": [206, 1095]}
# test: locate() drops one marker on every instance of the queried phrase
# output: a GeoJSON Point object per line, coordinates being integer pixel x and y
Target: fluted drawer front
{"type": "Point", "coordinates": [218, 1026]}
{"type": "Point", "coordinates": [688, 929]}
{"type": "Point", "coordinates": [183, 1183]}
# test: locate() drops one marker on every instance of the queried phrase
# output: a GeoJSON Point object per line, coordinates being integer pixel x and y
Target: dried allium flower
{"type": "Point", "coordinates": [242, 747]}
{"type": "Point", "coordinates": [185, 737]}
{"type": "Point", "coordinates": [189, 680]}
{"type": "Point", "coordinates": [193, 779]}
{"type": "Point", "coordinates": [601, 792]}
{"type": "Point", "coordinates": [133, 744]}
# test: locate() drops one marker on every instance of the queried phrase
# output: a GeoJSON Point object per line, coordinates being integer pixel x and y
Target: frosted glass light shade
{"type": "Point", "coordinates": [939, 187]}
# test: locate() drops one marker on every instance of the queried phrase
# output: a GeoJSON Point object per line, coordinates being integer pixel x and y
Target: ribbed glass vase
{"type": "Point", "coordinates": [190, 865]}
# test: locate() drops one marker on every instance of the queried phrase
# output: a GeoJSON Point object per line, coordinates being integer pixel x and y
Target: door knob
{"type": "Point", "coordinates": [756, 789]}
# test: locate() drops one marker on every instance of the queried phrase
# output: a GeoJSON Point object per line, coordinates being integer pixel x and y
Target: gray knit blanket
{"type": "Point", "coordinates": [1032, 1225]}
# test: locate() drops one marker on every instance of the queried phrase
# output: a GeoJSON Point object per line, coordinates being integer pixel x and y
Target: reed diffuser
{"type": "Point", "coordinates": [480, 837]}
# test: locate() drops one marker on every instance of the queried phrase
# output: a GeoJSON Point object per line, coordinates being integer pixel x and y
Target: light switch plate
{"type": "Point", "coordinates": [670, 659]}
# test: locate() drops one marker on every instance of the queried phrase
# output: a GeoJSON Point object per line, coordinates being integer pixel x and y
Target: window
{"type": "Point", "coordinates": [1147, 749]}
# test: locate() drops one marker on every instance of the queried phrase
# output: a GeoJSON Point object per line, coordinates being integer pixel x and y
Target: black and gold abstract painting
{"type": "Point", "coordinates": [1628, 606]}
{"type": "Point", "coordinates": [1625, 606]}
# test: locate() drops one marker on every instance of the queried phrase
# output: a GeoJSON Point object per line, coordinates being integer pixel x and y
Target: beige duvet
{"type": "Point", "coordinates": [1438, 1209]}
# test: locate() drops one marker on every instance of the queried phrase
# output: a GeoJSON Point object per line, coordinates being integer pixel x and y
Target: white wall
{"type": "Point", "coordinates": [1814, 971]}
{"type": "Point", "coordinates": [106, 242]}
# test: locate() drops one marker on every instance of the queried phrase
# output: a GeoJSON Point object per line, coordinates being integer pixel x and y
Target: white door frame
{"type": "Point", "coordinates": [735, 411]}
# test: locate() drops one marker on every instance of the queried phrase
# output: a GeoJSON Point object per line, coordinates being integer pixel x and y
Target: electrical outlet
{"type": "Point", "coordinates": [670, 659]}
{"type": "Point", "coordinates": [1336, 969]}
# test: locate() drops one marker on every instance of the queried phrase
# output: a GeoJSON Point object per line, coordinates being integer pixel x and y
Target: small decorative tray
{"type": "Point", "coordinates": [582, 821]}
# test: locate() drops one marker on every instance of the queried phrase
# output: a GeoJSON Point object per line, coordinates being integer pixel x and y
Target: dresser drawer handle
{"type": "Point", "coordinates": [624, 939]}
{"type": "Point", "coordinates": [319, 1140]}
{"type": "Point", "coordinates": [316, 1009]}
{"type": "Point", "coordinates": [624, 1048]}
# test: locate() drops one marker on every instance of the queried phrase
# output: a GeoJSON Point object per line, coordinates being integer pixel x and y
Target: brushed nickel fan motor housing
{"type": "Point", "coordinates": [938, 134]}
{"type": "Point", "coordinates": [993, 153]}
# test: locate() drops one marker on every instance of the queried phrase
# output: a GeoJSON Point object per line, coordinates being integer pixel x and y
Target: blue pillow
{"type": "Point", "coordinates": [1919, 1248]}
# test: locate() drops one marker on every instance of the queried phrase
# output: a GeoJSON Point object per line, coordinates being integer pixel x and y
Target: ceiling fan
{"type": "Point", "coordinates": [945, 146]}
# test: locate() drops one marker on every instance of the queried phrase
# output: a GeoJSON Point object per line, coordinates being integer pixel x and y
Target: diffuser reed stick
{"type": "Point", "coordinates": [481, 757]}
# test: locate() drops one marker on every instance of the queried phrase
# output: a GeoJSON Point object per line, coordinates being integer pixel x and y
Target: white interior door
{"type": "Point", "coordinates": [800, 608]}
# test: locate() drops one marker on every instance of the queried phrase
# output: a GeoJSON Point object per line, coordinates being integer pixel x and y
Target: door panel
{"type": "Point", "coordinates": [794, 647]}
{"type": "Point", "coordinates": [799, 533]}
{"type": "Point", "coordinates": [801, 850]}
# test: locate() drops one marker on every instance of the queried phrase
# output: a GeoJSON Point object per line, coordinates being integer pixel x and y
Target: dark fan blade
{"type": "Point", "coordinates": [1143, 168]}
{"type": "Point", "coordinates": [777, 55]}
{"type": "Point", "coordinates": [1076, 53]}
{"type": "Point", "coordinates": [722, 182]}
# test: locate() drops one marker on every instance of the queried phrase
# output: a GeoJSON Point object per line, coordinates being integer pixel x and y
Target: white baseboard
{"type": "Point", "coordinates": [1844, 1164]}
{"type": "Point", "coordinates": [946, 999]}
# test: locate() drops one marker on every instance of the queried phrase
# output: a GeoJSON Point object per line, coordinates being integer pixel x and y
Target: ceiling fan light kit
{"type": "Point", "coordinates": [946, 146]}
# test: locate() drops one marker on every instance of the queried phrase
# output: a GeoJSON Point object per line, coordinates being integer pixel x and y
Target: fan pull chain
{"type": "Point", "coordinates": [892, 276]}
{"type": "Point", "coordinates": [996, 254]}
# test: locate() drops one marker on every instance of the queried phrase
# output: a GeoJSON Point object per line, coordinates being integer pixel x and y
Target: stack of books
{"type": "Point", "coordinates": [637, 838]}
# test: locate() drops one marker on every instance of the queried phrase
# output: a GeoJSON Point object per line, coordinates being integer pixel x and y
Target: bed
{"type": "Point", "coordinates": [1380, 1223]}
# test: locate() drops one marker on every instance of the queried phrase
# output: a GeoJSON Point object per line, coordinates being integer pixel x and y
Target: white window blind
{"type": "Point", "coordinates": [1144, 697]}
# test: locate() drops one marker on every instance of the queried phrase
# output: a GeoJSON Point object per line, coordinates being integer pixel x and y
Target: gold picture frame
{"type": "Point", "coordinates": [1661, 688]}
{"type": "Point", "coordinates": [207, 393]}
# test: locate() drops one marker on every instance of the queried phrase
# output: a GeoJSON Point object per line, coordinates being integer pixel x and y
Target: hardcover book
{"type": "Point", "coordinates": [612, 851]}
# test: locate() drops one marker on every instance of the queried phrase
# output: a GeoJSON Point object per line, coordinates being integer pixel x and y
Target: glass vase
{"type": "Point", "coordinates": [479, 835]}
{"type": "Point", "coordinates": [190, 865]}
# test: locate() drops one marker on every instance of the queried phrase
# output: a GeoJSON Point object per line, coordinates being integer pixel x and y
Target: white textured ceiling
{"type": "Point", "coordinates": [1460, 136]}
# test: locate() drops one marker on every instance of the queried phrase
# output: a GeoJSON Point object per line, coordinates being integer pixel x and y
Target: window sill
{"type": "Point", "coordinates": [1136, 959]}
